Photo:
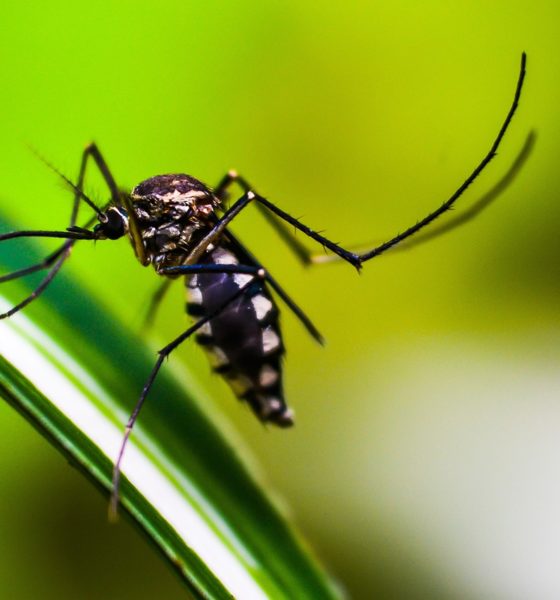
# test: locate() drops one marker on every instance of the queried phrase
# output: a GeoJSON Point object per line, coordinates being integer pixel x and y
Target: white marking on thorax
{"type": "Point", "coordinates": [270, 340]}
{"type": "Point", "coordinates": [176, 196]}
{"type": "Point", "coordinates": [262, 306]}
{"type": "Point", "coordinates": [170, 196]}
{"type": "Point", "coordinates": [196, 194]}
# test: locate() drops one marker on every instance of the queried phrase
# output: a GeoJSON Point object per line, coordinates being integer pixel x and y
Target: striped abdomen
{"type": "Point", "coordinates": [243, 340]}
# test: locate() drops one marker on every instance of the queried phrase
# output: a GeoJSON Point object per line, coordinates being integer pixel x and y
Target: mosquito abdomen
{"type": "Point", "coordinates": [243, 341]}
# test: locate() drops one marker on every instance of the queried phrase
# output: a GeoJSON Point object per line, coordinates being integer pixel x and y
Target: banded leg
{"type": "Point", "coordinates": [162, 355]}
{"type": "Point", "coordinates": [354, 258]}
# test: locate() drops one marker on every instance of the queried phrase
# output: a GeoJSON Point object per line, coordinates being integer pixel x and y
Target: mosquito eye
{"type": "Point", "coordinates": [114, 226]}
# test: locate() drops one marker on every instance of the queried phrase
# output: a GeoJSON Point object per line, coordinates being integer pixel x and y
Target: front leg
{"type": "Point", "coordinates": [55, 260]}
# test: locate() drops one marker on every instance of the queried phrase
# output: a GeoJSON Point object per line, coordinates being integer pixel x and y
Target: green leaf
{"type": "Point", "coordinates": [74, 372]}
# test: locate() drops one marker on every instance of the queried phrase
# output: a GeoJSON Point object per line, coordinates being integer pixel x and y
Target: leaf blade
{"type": "Point", "coordinates": [240, 526]}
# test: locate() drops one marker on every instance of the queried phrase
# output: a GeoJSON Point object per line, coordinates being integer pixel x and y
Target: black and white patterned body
{"type": "Point", "coordinates": [243, 339]}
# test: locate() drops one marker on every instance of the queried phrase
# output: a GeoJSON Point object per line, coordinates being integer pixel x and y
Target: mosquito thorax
{"type": "Point", "coordinates": [172, 197]}
{"type": "Point", "coordinates": [169, 210]}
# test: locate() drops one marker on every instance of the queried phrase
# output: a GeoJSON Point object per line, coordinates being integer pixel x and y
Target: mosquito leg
{"type": "Point", "coordinates": [287, 236]}
{"type": "Point", "coordinates": [256, 270]}
{"type": "Point", "coordinates": [61, 257]}
{"type": "Point", "coordinates": [162, 354]}
{"type": "Point", "coordinates": [119, 199]}
{"type": "Point", "coordinates": [91, 151]}
{"type": "Point", "coordinates": [358, 259]}
{"type": "Point", "coordinates": [40, 288]}
{"type": "Point", "coordinates": [483, 202]}
{"type": "Point", "coordinates": [219, 228]}
{"type": "Point", "coordinates": [44, 264]}
{"type": "Point", "coordinates": [57, 258]}
{"type": "Point", "coordinates": [243, 202]}
{"type": "Point", "coordinates": [460, 219]}
{"type": "Point", "coordinates": [304, 319]}
{"type": "Point", "coordinates": [155, 302]}
{"type": "Point", "coordinates": [462, 188]}
{"type": "Point", "coordinates": [68, 235]}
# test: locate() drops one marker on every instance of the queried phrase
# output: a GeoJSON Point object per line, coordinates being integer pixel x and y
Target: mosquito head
{"type": "Point", "coordinates": [113, 224]}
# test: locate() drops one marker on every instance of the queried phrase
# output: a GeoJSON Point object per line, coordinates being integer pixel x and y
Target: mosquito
{"type": "Point", "coordinates": [179, 226]}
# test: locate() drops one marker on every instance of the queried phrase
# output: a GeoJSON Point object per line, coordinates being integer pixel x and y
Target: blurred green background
{"type": "Point", "coordinates": [426, 458]}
